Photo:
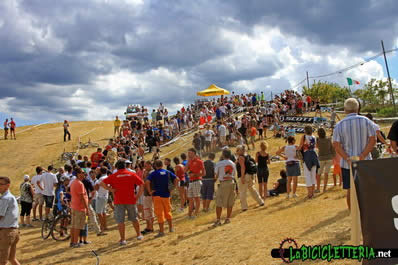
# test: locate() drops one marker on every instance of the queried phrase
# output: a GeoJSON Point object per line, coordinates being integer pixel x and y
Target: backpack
{"type": "Point", "coordinates": [250, 164]}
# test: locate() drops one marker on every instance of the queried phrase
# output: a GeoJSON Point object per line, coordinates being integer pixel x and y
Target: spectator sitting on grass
{"type": "Point", "coordinates": [280, 185]}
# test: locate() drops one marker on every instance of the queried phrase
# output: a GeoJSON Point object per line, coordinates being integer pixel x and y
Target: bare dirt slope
{"type": "Point", "coordinates": [247, 240]}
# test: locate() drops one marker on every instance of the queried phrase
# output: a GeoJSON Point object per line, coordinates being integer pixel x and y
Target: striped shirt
{"type": "Point", "coordinates": [353, 134]}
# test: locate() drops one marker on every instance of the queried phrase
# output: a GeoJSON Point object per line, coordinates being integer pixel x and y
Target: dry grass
{"type": "Point", "coordinates": [247, 240]}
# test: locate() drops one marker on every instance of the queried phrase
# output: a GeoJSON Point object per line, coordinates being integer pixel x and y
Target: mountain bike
{"type": "Point", "coordinates": [57, 227]}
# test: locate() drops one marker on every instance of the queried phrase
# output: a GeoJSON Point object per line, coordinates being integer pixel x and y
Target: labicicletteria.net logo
{"type": "Point", "coordinates": [289, 251]}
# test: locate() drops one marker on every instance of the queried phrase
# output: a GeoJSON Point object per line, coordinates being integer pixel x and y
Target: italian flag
{"type": "Point", "coordinates": [352, 81]}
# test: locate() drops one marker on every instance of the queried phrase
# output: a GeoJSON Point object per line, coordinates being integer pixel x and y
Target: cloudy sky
{"type": "Point", "coordinates": [86, 60]}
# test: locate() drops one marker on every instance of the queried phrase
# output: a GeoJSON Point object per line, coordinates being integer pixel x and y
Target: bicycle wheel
{"type": "Point", "coordinates": [46, 229]}
{"type": "Point", "coordinates": [61, 228]}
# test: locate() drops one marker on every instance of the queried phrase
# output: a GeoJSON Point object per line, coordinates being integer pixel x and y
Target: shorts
{"type": "Point", "coordinates": [9, 238]}
{"type": "Point", "coordinates": [100, 205]}
{"type": "Point", "coordinates": [226, 195]}
{"type": "Point", "coordinates": [252, 138]}
{"type": "Point", "coordinates": [293, 170]}
{"type": "Point", "coordinates": [336, 169]}
{"type": "Point", "coordinates": [194, 189]}
{"type": "Point", "coordinates": [324, 166]}
{"type": "Point", "coordinates": [120, 213]}
{"type": "Point", "coordinates": [26, 207]}
{"type": "Point", "coordinates": [207, 189]}
{"type": "Point", "coordinates": [148, 208]}
{"type": "Point", "coordinates": [49, 200]}
{"type": "Point", "coordinates": [260, 132]}
{"type": "Point", "coordinates": [182, 183]}
{"type": "Point", "coordinates": [38, 199]}
{"type": "Point", "coordinates": [262, 175]}
{"type": "Point", "coordinates": [84, 231]}
{"type": "Point", "coordinates": [162, 207]}
{"type": "Point", "coordinates": [345, 173]}
{"type": "Point", "coordinates": [78, 219]}
{"type": "Point", "coordinates": [223, 139]}
{"type": "Point", "coordinates": [207, 143]}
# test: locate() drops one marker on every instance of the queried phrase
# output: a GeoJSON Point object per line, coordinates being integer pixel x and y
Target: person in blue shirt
{"type": "Point", "coordinates": [61, 196]}
{"type": "Point", "coordinates": [218, 114]}
{"type": "Point", "coordinates": [254, 100]}
{"type": "Point", "coordinates": [9, 235]}
{"type": "Point", "coordinates": [158, 185]}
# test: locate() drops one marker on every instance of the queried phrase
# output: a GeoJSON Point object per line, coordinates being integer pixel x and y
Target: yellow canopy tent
{"type": "Point", "coordinates": [213, 90]}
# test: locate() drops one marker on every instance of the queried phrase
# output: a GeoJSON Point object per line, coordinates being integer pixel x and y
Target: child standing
{"type": "Point", "coordinates": [253, 133]}
{"type": "Point", "coordinates": [337, 169]}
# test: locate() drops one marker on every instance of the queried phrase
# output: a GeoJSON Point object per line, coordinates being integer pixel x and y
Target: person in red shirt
{"type": "Point", "coordinates": [180, 173]}
{"type": "Point", "coordinates": [79, 206]}
{"type": "Point", "coordinates": [308, 104]}
{"type": "Point", "coordinates": [196, 170]}
{"type": "Point", "coordinates": [122, 183]}
{"type": "Point", "coordinates": [300, 107]}
{"type": "Point", "coordinates": [12, 129]}
{"type": "Point", "coordinates": [96, 158]}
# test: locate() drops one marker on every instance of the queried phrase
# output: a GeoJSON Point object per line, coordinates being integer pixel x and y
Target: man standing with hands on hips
{"type": "Point", "coordinates": [9, 235]}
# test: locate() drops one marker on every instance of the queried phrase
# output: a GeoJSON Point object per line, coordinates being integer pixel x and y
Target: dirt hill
{"type": "Point", "coordinates": [247, 240]}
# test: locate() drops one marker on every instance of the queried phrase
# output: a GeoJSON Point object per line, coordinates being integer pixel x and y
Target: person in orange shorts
{"type": "Point", "coordinates": [157, 184]}
{"type": "Point", "coordinates": [337, 169]}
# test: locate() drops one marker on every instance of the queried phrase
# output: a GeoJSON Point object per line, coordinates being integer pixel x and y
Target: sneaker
{"type": "Point", "coordinates": [295, 195]}
{"type": "Point", "coordinates": [23, 225]}
{"type": "Point", "coordinates": [140, 237]}
{"type": "Point", "coordinates": [244, 210]}
{"type": "Point", "coordinates": [123, 243]}
{"type": "Point", "coordinates": [217, 223]}
{"type": "Point", "coordinates": [317, 191]}
{"type": "Point", "coordinates": [227, 221]}
{"type": "Point", "coordinates": [35, 219]}
{"type": "Point", "coordinates": [146, 231]}
{"type": "Point", "coordinates": [77, 245]}
{"type": "Point", "coordinates": [86, 242]}
{"type": "Point", "coordinates": [171, 230]}
{"type": "Point", "coordinates": [101, 234]}
{"type": "Point", "coordinates": [287, 196]}
{"type": "Point", "coordinates": [262, 204]}
{"type": "Point", "coordinates": [191, 217]}
{"type": "Point", "coordinates": [29, 225]}
{"type": "Point", "coordinates": [160, 234]}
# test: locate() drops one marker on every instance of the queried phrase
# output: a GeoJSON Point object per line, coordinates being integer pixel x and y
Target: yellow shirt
{"type": "Point", "coordinates": [116, 123]}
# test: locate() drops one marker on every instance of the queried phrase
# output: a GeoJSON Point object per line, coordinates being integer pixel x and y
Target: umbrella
{"type": "Point", "coordinates": [213, 90]}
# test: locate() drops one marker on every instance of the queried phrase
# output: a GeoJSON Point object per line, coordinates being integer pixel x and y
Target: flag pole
{"type": "Point", "coordinates": [355, 214]}
{"type": "Point", "coordinates": [389, 78]}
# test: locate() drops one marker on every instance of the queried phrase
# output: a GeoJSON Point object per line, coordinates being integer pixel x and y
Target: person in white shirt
{"type": "Point", "coordinates": [223, 111]}
{"type": "Point", "coordinates": [238, 123]}
{"type": "Point", "coordinates": [102, 199]}
{"type": "Point", "coordinates": [208, 137]}
{"type": "Point", "coordinates": [49, 183]}
{"type": "Point", "coordinates": [38, 196]}
{"type": "Point", "coordinates": [222, 131]}
{"type": "Point", "coordinates": [225, 173]}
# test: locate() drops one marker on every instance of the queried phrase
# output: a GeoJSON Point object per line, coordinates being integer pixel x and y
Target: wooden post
{"type": "Point", "coordinates": [355, 214]}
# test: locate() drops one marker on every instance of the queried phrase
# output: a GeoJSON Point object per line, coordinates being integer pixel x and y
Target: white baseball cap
{"type": "Point", "coordinates": [26, 177]}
